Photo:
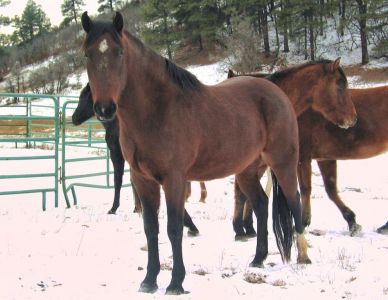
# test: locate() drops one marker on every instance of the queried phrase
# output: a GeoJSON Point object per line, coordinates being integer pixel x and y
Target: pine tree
{"type": "Point", "coordinates": [4, 39]}
{"type": "Point", "coordinates": [33, 22]}
{"type": "Point", "coordinates": [109, 5]}
{"type": "Point", "coordinates": [199, 20]}
{"type": "Point", "coordinates": [71, 10]}
{"type": "Point", "coordinates": [159, 28]}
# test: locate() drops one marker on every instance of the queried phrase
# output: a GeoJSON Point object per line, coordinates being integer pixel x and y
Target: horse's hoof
{"type": "Point", "coordinates": [193, 232]}
{"type": "Point", "coordinates": [250, 233]}
{"type": "Point", "coordinates": [112, 212]}
{"type": "Point", "coordinates": [148, 287]}
{"type": "Point", "coordinates": [175, 290]}
{"type": "Point", "coordinates": [306, 221]}
{"type": "Point", "coordinates": [255, 264]}
{"type": "Point", "coordinates": [383, 229]}
{"type": "Point", "coordinates": [304, 261]}
{"type": "Point", "coordinates": [240, 237]}
{"type": "Point", "coordinates": [355, 229]}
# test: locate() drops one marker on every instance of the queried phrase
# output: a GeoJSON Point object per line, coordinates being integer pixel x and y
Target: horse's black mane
{"type": "Point", "coordinates": [183, 78]}
{"type": "Point", "coordinates": [285, 73]}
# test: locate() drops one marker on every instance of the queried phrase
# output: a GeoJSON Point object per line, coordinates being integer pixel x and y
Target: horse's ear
{"type": "Point", "coordinates": [336, 64]}
{"type": "Point", "coordinates": [118, 22]}
{"type": "Point", "coordinates": [86, 22]}
{"type": "Point", "coordinates": [230, 73]}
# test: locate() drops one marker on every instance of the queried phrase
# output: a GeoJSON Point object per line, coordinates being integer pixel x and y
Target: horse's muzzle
{"type": "Point", "coordinates": [105, 111]}
{"type": "Point", "coordinates": [349, 124]}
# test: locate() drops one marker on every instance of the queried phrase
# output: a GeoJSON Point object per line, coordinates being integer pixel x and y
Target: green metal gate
{"type": "Point", "coordinates": [39, 121]}
{"type": "Point", "coordinates": [33, 121]}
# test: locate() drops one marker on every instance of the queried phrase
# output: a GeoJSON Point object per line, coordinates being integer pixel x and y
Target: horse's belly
{"type": "Point", "coordinates": [209, 168]}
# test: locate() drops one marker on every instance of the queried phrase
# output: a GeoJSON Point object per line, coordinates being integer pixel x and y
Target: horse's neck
{"type": "Point", "coordinates": [299, 98]}
{"type": "Point", "coordinates": [146, 91]}
{"type": "Point", "coordinates": [145, 81]}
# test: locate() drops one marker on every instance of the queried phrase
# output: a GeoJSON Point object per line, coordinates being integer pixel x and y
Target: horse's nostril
{"type": "Point", "coordinates": [111, 109]}
{"type": "Point", "coordinates": [97, 108]}
{"type": "Point", "coordinates": [106, 112]}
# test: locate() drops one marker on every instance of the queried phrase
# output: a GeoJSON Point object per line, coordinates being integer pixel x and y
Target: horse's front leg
{"type": "Point", "coordinates": [118, 167]}
{"type": "Point", "coordinates": [174, 188]}
{"type": "Point", "coordinates": [328, 170]}
{"type": "Point", "coordinates": [149, 194]}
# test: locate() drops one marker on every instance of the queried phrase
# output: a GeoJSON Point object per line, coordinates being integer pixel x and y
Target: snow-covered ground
{"type": "Point", "coordinates": [83, 253]}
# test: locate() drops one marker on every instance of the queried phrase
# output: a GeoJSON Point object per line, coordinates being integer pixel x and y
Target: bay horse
{"type": "Point", "coordinates": [83, 112]}
{"type": "Point", "coordinates": [307, 133]}
{"type": "Point", "coordinates": [173, 129]}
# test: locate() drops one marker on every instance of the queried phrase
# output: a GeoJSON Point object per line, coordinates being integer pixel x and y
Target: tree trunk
{"type": "Point", "coordinates": [311, 33]}
{"type": "Point", "coordinates": [342, 15]}
{"type": "Point", "coordinates": [264, 27]}
{"type": "Point", "coordinates": [74, 13]}
{"type": "Point", "coordinates": [165, 29]}
{"type": "Point", "coordinates": [305, 37]}
{"type": "Point", "coordinates": [285, 26]}
{"type": "Point", "coordinates": [362, 8]}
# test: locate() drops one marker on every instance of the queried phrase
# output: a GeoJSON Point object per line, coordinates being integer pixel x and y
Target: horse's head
{"type": "Point", "coordinates": [105, 63]}
{"type": "Point", "coordinates": [84, 110]}
{"type": "Point", "coordinates": [331, 97]}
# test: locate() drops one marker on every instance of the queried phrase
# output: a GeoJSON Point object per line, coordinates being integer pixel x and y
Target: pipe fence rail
{"type": "Point", "coordinates": [35, 121]}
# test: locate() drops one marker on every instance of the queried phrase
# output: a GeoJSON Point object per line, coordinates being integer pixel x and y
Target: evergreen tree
{"type": "Point", "coordinates": [33, 22]}
{"type": "Point", "coordinates": [71, 10]}
{"type": "Point", "coordinates": [4, 39]}
{"type": "Point", "coordinates": [199, 20]}
{"type": "Point", "coordinates": [159, 28]}
{"type": "Point", "coordinates": [109, 5]}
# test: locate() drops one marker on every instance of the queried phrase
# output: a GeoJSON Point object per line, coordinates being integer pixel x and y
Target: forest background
{"type": "Point", "coordinates": [248, 34]}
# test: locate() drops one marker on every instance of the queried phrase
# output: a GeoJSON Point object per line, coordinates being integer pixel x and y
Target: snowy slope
{"type": "Point", "coordinates": [83, 253]}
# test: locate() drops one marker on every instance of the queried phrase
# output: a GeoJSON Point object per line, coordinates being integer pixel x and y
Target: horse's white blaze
{"type": "Point", "coordinates": [103, 46]}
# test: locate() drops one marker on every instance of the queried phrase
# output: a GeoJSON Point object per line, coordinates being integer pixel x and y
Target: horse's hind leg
{"type": "Point", "coordinates": [249, 183]}
{"type": "Point", "coordinates": [248, 220]}
{"type": "Point", "coordinates": [242, 217]}
{"type": "Point", "coordinates": [188, 222]}
{"type": "Point", "coordinates": [286, 175]}
{"type": "Point", "coordinates": [239, 201]}
{"type": "Point", "coordinates": [328, 170]}
{"type": "Point", "coordinates": [187, 190]}
{"type": "Point", "coordinates": [304, 176]}
{"type": "Point", "coordinates": [203, 192]}
{"type": "Point", "coordinates": [149, 194]}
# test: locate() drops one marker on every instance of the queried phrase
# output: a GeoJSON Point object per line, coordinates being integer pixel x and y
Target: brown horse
{"type": "Point", "coordinates": [326, 143]}
{"type": "Point", "coordinates": [299, 99]}
{"type": "Point", "coordinates": [174, 129]}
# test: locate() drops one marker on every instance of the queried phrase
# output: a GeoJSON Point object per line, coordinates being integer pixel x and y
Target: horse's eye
{"type": "Point", "coordinates": [87, 54]}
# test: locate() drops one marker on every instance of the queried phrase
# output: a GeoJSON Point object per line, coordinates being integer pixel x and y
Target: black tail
{"type": "Point", "coordinates": [282, 221]}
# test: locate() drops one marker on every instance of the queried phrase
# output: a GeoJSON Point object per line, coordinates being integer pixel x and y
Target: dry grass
{"type": "Point", "coordinates": [17, 127]}
{"type": "Point", "coordinates": [255, 278]}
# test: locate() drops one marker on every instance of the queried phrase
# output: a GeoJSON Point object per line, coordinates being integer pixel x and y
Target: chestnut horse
{"type": "Point", "coordinates": [299, 98]}
{"type": "Point", "coordinates": [326, 143]}
{"type": "Point", "coordinates": [175, 129]}
{"type": "Point", "coordinates": [84, 112]}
